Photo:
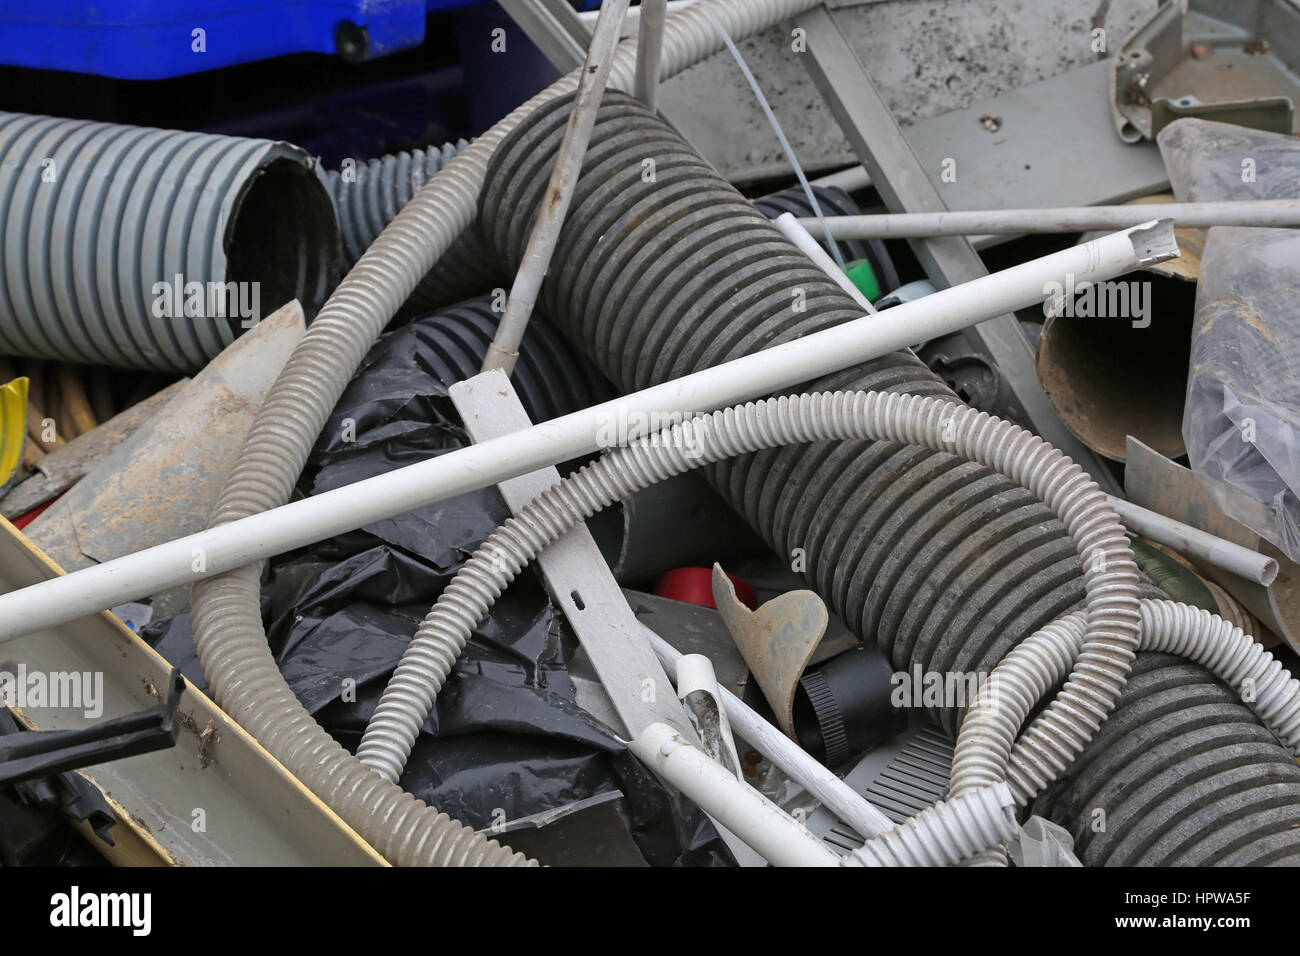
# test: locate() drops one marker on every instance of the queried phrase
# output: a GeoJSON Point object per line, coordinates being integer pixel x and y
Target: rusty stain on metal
{"type": "Point", "coordinates": [776, 641]}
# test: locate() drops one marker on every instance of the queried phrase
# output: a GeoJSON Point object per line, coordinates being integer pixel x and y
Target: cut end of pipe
{"type": "Point", "coordinates": [1154, 241]}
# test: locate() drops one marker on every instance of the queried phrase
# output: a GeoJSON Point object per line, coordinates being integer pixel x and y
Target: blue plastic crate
{"type": "Point", "coordinates": [156, 39]}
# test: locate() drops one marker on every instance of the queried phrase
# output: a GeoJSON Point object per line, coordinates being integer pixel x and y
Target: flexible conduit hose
{"type": "Point", "coordinates": [944, 564]}
{"type": "Point", "coordinates": [229, 636]}
{"type": "Point", "coordinates": [1110, 575]}
{"type": "Point", "coordinates": [986, 751]}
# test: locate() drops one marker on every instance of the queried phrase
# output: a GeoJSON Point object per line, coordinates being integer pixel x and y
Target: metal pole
{"type": "Point", "coordinates": [239, 543]}
{"type": "Point", "coordinates": [649, 47]}
{"type": "Point", "coordinates": [504, 350]}
{"type": "Point", "coordinates": [1016, 222]}
{"type": "Point", "coordinates": [1213, 550]}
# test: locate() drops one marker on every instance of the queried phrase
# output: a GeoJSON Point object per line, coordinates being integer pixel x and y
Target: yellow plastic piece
{"type": "Point", "coordinates": [13, 427]}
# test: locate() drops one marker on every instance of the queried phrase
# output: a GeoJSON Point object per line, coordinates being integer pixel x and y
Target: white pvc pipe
{"type": "Point", "coordinates": [793, 230]}
{"type": "Point", "coordinates": [928, 225]}
{"type": "Point", "coordinates": [695, 677]}
{"type": "Point", "coordinates": [649, 50]}
{"type": "Point", "coordinates": [836, 795]}
{"type": "Point", "coordinates": [257, 537]}
{"type": "Point", "coordinates": [1213, 550]}
{"type": "Point", "coordinates": [503, 351]}
{"type": "Point", "coordinates": [774, 835]}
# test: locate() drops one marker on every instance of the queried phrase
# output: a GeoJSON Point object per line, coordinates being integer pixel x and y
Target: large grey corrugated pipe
{"type": "Point", "coordinates": [368, 197]}
{"type": "Point", "coordinates": [228, 628]}
{"type": "Point", "coordinates": [944, 564]}
{"type": "Point", "coordinates": [93, 215]}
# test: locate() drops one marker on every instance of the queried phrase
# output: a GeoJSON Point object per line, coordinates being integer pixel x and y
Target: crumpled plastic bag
{"type": "Point", "coordinates": [506, 738]}
{"type": "Point", "coordinates": [1241, 420]}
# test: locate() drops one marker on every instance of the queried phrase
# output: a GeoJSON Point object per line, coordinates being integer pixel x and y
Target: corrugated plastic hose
{"type": "Point", "coordinates": [229, 635]}
{"type": "Point", "coordinates": [1110, 574]}
{"type": "Point", "coordinates": [987, 752]}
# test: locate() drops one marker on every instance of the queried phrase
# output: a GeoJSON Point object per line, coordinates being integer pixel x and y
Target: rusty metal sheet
{"type": "Point", "coordinates": [1154, 481]}
{"type": "Point", "coordinates": [777, 640]}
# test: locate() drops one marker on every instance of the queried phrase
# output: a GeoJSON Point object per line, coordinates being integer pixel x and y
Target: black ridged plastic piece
{"type": "Point", "coordinates": [376, 193]}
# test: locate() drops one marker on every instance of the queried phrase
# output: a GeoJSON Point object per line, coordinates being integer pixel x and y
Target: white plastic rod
{"type": "Point", "coordinates": [504, 350]}
{"type": "Point", "coordinates": [773, 834]}
{"type": "Point", "coordinates": [649, 50]}
{"type": "Point", "coordinates": [836, 795]}
{"type": "Point", "coordinates": [793, 230]}
{"type": "Point", "coordinates": [257, 537]}
{"type": "Point", "coordinates": [1195, 543]}
{"type": "Point", "coordinates": [928, 225]}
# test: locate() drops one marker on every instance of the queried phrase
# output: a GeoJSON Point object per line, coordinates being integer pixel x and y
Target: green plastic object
{"type": "Point", "coordinates": [863, 276]}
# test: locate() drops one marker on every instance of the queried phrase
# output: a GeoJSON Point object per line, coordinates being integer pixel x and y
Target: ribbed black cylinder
{"type": "Point", "coordinates": [662, 269]}
{"type": "Point", "coordinates": [369, 196]}
{"type": "Point", "coordinates": [1180, 775]}
{"type": "Point", "coordinates": [549, 378]}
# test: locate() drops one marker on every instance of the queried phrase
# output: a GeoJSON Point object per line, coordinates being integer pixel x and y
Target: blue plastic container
{"type": "Point", "coordinates": [156, 39]}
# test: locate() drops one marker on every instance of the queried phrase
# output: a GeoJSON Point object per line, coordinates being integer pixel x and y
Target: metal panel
{"type": "Point", "coordinates": [905, 187]}
{"type": "Point", "coordinates": [254, 812]}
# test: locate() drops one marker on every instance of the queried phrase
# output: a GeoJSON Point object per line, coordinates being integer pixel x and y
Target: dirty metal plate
{"type": "Point", "coordinates": [217, 797]}
{"type": "Point", "coordinates": [1159, 484]}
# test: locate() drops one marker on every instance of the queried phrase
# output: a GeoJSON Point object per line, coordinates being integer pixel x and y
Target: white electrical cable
{"type": "Point", "coordinates": [780, 133]}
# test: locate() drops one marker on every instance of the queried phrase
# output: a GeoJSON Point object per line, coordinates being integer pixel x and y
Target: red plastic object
{"type": "Point", "coordinates": [27, 517]}
{"type": "Point", "coordinates": [695, 586]}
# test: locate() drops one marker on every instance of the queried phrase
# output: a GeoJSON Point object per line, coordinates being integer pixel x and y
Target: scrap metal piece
{"type": "Point", "coordinates": [253, 811]}
{"type": "Point", "coordinates": [904, 185]}
{"type": "Point", "coordinates": [777, 640]}
{"type": "Point", "coordinates": [67, 464]}
{"type": "Point", "coordinates": [161, 482]}
{"type": "Point", "coordinates": [555, 29]}
{"type": "Point", "coordinates": [1155, 482]}
{"type": "Point", "coordinates": [1235, 62]}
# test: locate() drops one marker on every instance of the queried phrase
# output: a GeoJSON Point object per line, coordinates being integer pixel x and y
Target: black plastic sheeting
{"type": "Point", "coordinates": [506, 738]}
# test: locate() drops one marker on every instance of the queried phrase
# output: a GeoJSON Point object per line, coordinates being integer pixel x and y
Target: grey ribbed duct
{"type": "Point", "coordinates": [663, 269]}
{"type": "Point", "coordinates": [93, 216]}
{"type": "Point", "coordinates": [367, 198]}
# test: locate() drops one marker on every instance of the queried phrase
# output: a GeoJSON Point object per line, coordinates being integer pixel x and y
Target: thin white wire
{"type": "Point", "coordinates": [780, 134]}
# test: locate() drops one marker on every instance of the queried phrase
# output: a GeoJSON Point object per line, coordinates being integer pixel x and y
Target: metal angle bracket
{"type": "Point", "coordinates": [871, 129]}
{"type": "Point", "coordinates": [555, 28]}
{"type": "Point", "coordinates": [582, 584]}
